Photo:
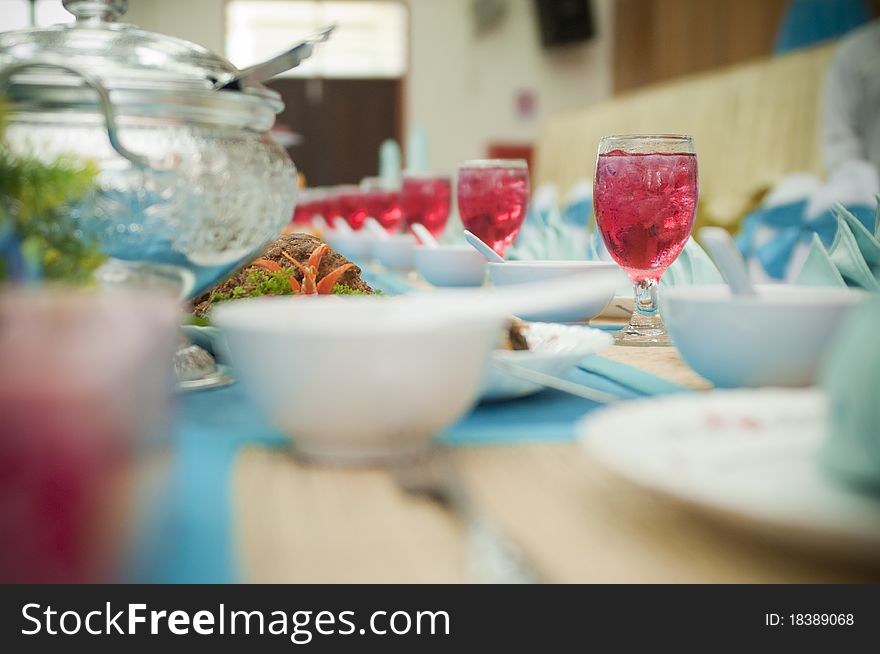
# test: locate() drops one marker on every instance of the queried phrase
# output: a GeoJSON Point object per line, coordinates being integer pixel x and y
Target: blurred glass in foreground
{"type": "Point", "coordinates": [85, 393]}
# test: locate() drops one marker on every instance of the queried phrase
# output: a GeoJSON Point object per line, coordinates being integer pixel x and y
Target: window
{"type": "Point", "coordinates": [19, 14]}
{"type": "Point", "coordinates": [370, 40]}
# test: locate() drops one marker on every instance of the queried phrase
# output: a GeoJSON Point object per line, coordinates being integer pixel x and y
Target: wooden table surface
{"type": "Point", "coordinates": [299, 523]}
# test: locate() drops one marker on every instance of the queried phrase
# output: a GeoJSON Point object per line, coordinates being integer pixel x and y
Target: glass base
{"type": "Point", "coordinates": [645, 328]}
{"type": "Point", "coordinates": [643, 331]}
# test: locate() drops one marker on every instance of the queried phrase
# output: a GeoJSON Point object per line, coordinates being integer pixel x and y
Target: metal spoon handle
{"type": "Point", "coordinates": [276, 65]}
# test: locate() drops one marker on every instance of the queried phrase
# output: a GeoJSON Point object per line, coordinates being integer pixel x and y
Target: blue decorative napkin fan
{"type": "Point", "coordinates": [852, 379]}
{"type": "Point", "coordinates": [851, 259]}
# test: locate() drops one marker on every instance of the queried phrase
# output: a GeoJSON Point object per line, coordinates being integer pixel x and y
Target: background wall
{"type": "Point", "coordinates": [461, 88]}
{"type": "Point", "coordinates": [200, 21]}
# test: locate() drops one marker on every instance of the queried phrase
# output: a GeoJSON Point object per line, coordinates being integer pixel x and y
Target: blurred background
{"type": "Point", "coordinates": [480, 77]}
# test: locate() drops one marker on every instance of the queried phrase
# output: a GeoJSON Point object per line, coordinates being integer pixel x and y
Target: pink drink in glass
{"type": "Point", "coordinates": [384, 206]}
{"type": "Point", "coordinates": [351, 207]}
{"type": "Point", "coordinates": [329, 207]}
{"type": "Point", "coordinates": [645, 204]}
{"type": "Point", "coordinates": [426, 200]}
{"type": "Point", "coordinates": [492, 200]}
{"type": "Point", "coordinates": [85, 390]}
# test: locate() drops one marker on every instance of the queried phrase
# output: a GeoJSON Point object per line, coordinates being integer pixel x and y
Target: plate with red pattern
{"type": "Point", "coordinates": [749, 457]}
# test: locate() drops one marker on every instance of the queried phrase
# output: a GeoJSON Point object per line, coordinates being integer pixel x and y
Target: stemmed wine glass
{"type": "Point", "coordinates": [425, 199]}
{"type": "Point", "coordinates": [492, 199]}
{"type": "Point", "coordinates": [645, 198]}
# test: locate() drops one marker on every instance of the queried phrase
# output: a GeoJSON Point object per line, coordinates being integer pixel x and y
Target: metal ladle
{"type": "Point", "coordinates": [278, 64]}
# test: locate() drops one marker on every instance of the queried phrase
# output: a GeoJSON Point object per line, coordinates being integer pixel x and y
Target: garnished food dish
{"type": "Point", "coordinates": [295, 264]}
{"type": "Point", "coordinates": [301, 264]}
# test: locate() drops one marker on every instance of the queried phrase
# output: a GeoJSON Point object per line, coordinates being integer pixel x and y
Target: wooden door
{"type": "Point", "coordinates": [342, 123]}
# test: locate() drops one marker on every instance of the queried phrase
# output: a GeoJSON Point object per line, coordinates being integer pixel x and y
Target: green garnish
{"type": "Point", "coordinates": [34, 228]}
{"type": "Point", "coordinates": [260, 282]}
{"type": "Point", "coordinates": [341, 289]}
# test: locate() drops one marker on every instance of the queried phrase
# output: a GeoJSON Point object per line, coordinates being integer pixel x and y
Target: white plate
{"type": "Point", "coordinates": [748, 457]}
{"type": "Point", "coordinates": [554, 349]}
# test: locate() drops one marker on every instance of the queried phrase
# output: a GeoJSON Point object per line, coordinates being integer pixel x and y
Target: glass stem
{"type": "Point", "coordinates": [645, 327]}
{"type": "Point", "coordinates": [646, 297]}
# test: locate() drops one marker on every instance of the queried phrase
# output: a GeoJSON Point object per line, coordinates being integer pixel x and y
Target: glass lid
{"type": "Point", "coordinates": [116, 53]}
{"type": "Point", "coordinates": [133, 65]}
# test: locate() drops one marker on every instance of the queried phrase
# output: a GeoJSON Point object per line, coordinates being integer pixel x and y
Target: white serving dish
{"type": "Point", "coordinates": [366, 379]}
{"type": "Point", "coordinates": [359, 379]}
{"type": "Point", "coordinates": [746, 457]}
{"type": "Point", "coordinates": [778, 338]}
{"type": "Point", "coordinates": [523, 272]}
{"type": "Point", "coordinates": [553, 350]}
{"type": "Point", "coordinates": [451, 265]}
{"type": "Point", "coordinates": [397, 252]}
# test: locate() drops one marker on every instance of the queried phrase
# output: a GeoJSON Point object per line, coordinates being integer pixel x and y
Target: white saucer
{"type": "Point", "coordinates": [554, 349]}
{"type": "Point", "coordinates": [747, 457]}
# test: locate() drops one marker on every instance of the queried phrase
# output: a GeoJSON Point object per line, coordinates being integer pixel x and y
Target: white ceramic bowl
{"type": "Point", "coordinates": [553, 350]}
{"type": "Point", "coordinates": [397, 252]}
{"type": "Point", "coordinates": [523, 272]}
{"type": "Point", "coordinates": [360, 379]}
{"type": "Point", "coordinates": [356, 247]}
{"type": "Point", "coordinates": [778, 338]}
{"type": "Point", "coordinates": [451, 265]}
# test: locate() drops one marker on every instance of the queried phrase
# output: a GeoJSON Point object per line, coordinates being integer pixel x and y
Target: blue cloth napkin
{"type": "Point", "coordinates": [807, 22]}
{"type": "Point", "coordinates": [552, 415]}
{"type": "Point", "coordinates": [193, 532]}
{"type": "Point", "coordinates": [790, 226]}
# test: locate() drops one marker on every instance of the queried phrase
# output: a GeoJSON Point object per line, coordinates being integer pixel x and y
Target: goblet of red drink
{"type": "Point", "coordinates": [425, 199]}
{"type": "Point", "coordinates": [492, 199]}
{"type": "Point", "coordinates": [645, 198]}
{"type": "Point", "coordinates": [351, 206]}
{"type": "Point", "coordinates": [85, 400]}
{"type": "Point", "coordinates": [381, 202]}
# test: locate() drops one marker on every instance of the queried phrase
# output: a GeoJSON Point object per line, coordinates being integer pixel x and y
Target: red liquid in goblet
{"type": "Point", "coordinates": [426, 200]}
{"type": "Point", "coordinates": [384, 206]}
{"type": "Point", "coordinates": [645, 205]}
{"type": "Point", "coordinates": [492, 202]}
{"type": "Point", "coordinates": [351, 207]}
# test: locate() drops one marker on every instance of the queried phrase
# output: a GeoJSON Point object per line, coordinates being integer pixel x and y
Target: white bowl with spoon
{"type": "Point", "coordinates": [601, 274]}
{"type": "Point", "coordinates": [745, 335]}
{"type": "Point", "coordinates": [394, 251]}
{"type": "Point", "coordinates": [455, 266]}
{"type": "Point", "coordinates": [505, 273]}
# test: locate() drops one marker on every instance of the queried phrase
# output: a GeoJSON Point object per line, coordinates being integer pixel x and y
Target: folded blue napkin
{"type": "Point", "coordinates": [692, 267]}
{"type": "Point", "coordinates": [852, 380]}
{"type": "Point", "coordinates": [777, 233]}
{"type": "Point", "coordinates": [852, 258]}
